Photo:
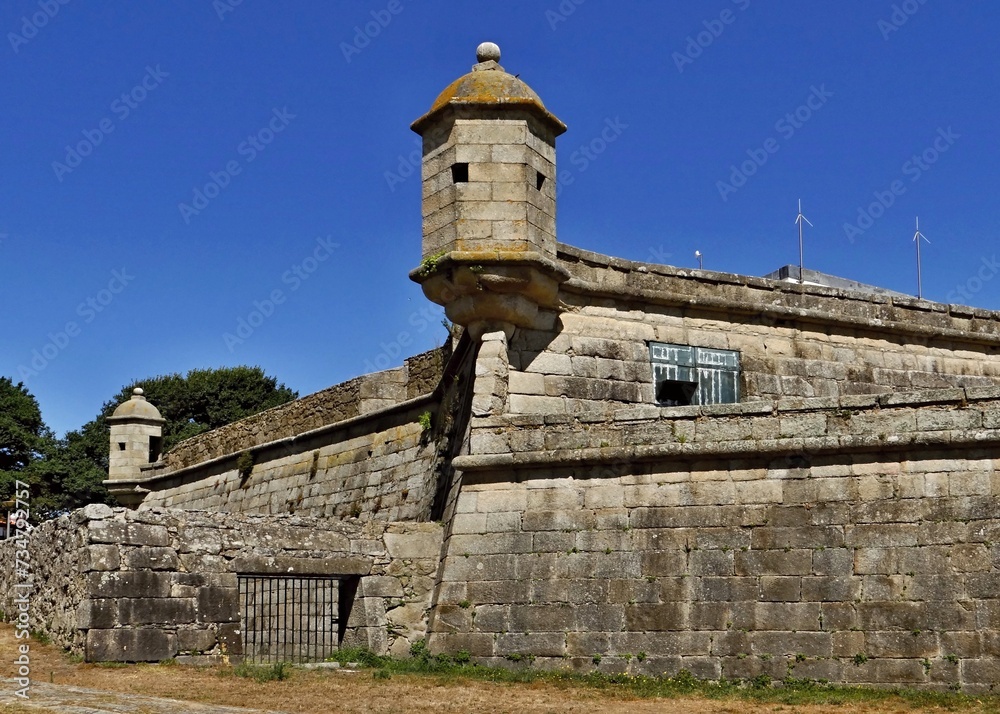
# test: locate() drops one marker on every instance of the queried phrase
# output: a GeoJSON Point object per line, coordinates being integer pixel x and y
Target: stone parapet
{"type": "Point", "coordinates": [417, 377]}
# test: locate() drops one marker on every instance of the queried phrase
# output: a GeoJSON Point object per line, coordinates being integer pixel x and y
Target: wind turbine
{"type": "Point", "coordinates": [916, 239]}
{"type": "Point", "coordinates": [799, 219]}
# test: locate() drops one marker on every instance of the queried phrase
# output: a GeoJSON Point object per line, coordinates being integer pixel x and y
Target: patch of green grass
{"type": "Point", "coordinates": [790, 691]}
{"type": "Point", "coordinates": [262, 673]}
{"type": "Point", "coordinates": [40, 637]}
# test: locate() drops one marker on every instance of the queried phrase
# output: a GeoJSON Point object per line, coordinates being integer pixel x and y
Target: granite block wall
{"type": "Point", "coordinates": [794, 341]}
{"type": "Point", "coordinates": [371, 448]}
{"type": "Point", "coordinates": [119, 585]}
{"type": "Point", "coordinates": [856, 541]}
{"type": "Point", "coordinates": [380, 469]}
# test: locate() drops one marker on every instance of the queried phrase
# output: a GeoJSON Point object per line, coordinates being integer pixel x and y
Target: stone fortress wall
{"type": "Point", "coordinates": [851, 537]}
{"type": "Point", "coordinates": [159, 584]}
{"type": "Point", "coordinates": [794, 341]}
{"type": "Point", "coordinates": [852, 540]}
{"type": "Point", "coordinates": [366, 447]}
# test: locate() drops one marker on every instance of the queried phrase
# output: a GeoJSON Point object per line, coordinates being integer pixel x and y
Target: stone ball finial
{"type": "Point", "coordinates": [488, 51]}
{"type": "Point", "coordinates": [137, 392]}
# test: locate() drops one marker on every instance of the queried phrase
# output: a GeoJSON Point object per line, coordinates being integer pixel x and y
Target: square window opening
{"type": "Point", "coordinates": [460, 173]}
{"type": "Point", "coordinates": [686, 375]}
{"type": "Point", "coordinates": [121, 446]}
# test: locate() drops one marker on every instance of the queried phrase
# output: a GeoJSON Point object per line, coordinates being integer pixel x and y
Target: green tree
{"type": "Point", "coordinates": [21, 426]}
{"type": "Point", "coordinates": [67, 473]}
{"type": "Point", "coordinates": [23, 434]}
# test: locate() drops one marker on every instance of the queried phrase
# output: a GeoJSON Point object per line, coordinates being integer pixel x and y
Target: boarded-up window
{"type": "Point", "coordinates": [694, 375]}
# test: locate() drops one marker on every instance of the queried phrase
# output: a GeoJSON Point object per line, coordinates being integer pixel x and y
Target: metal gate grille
{"type": "Point", "coordinates": [289, 618]}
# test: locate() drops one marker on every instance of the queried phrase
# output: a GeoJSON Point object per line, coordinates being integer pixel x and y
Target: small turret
{"type": "Point", "coordinates": [136, 440]}
{"type": "Point", "coordinates": [489, 200]}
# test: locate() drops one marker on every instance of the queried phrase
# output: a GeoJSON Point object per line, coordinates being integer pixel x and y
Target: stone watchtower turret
{"type": "Point", "coordinates": [489, 200]}
{"type": "Point", "coordinates": [136, 440]}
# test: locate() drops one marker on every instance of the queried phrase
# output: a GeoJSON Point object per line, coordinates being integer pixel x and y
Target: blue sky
{"type": "Point", "coordinates": [291, 120]}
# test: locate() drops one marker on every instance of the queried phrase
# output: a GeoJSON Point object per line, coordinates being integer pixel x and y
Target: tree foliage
{"type": "Point", "coordinates": [67, 473]}
{"type": "Point", "coordinates": [21, 426]}
{"type": "Point", "coordinates": [23, 435]}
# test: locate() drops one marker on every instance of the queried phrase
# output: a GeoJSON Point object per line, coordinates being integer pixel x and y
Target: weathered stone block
{"type": "Point", "coordinates": [831, 589]}
{"type": "Point", "coordinates": [452, 618]}
{"type": "Point", "coordinates": [195, 641]}
{"type": "Point", "coordinates": [773, 562]}
{"type": "Point", "coordinates": [558, 520]}
{"type": "Point", "coordinates": [332, 565]}
{"type": "Point", "coordinates": [106, 531]}
{"type": "Point", "coordinates": [711, 562]}
{"type": "Point", "coordinates": [217, 604]}
{"type": "Point", "coordinates": [380, 586]}
{"type": "Point", "coordinates": [152, 558]}
{"type": "Point", "coordinates": [128, 584]}
{"type": "Point", "coordinates": [787, 616]}
{"type": "Point", "coordinates": [129, 646]}
{"type": "Point", "coordinates": [142, 534]}
{"type": "Point", "coordinates": [476, 644]}
{"type": "Point", "coordinates": [657, 618]}
{"type": "Point", "coordinates": [811, 644]}
{"type": "Point", "coordinates": [97, 614]}
{"type": "Point", "coordinates": [587, 644]}
{"type": "Point", "coordinates": [97, 511]}
{"type": "Point", "coordinates": [417, 545]}
{"type": "Point", "coordinates": [725, 589]}
{"type": "Point", "coordinates": [541, 618]}
{"type": "Point", "coordinates": [148, 611]}
{"type": "Point", "coordinates": [101, 557]}
{"type": "Point", "coordinates": [780, 589]}
{"type": "Point", "coordinates": [480, 567]}
{"type": "Point", "coordinates": [545, 644]}
{"type": "Point", "coordinates": [833, 562]}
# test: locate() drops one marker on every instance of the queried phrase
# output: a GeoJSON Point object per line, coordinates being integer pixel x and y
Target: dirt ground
{"type": "Point", "coordinates": [312, 692]}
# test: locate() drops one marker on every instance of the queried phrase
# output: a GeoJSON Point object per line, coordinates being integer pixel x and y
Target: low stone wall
{"type": "Point", "coordinates": [856, 541]}
{"type": "Point", "coordinates": [119, 585]}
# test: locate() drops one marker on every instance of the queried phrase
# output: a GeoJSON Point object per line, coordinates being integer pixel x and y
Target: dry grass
{"type": "Point", "coordinates": [312, 692]}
